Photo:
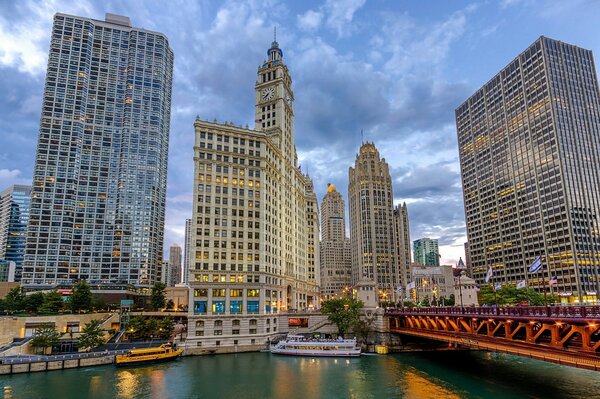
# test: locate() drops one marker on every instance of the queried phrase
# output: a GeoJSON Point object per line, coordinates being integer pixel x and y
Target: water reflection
{"type": "Point", "coordinates": [127, 384]}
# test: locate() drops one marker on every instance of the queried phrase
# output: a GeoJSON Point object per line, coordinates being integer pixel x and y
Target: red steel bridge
{"type": "Point", "coordinates": [568, 335]}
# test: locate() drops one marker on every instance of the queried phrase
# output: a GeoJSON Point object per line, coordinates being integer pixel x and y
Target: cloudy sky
{"type": "Point", "coordinates": [395, 69]}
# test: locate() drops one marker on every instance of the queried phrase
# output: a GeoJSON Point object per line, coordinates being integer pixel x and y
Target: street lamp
{"type": "Point", "coordinates": [462, 273]}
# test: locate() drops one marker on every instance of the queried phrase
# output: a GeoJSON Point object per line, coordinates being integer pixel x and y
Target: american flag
{"type": "Point", "coordinates": [553, 280]}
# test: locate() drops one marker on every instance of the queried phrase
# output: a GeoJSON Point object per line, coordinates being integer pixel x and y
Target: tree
{"type": "Point", "coordinates": [165, 328]}
{"type": "Point", "coordinates": [14, 300]}
{"type": "Point", "coordinates": [45, 337]}
{"type": "Point", "coordinates": [170, 304]}
{"type": "Point", "coordinates": [53, 302]}
{"type": "Point", "coordinates": [343, 312]}
{"type": "Point", "coordinates": [157, 297]}
{"type": "Point", "coordinates": [510, 295]}
{"type": "Point", "coordinates": [362, 329]}
{"type": "Point", "coordinates": [92, 335]}
{"type": "Point", "coordinates": [81, 298]}
{"type": "Point", "coordinates": [34, 301]}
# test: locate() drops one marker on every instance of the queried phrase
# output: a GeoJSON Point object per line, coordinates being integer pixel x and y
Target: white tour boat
{"type": "Point", "coordinates": [301, 346]}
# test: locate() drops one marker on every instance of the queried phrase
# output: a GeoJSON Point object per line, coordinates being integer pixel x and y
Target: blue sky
{"type": "Point", "coordinates": [396, 69]}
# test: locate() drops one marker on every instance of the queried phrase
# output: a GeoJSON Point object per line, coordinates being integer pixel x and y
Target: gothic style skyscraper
{"type": "Point", "coordinates": [255, 223]}
{"type": "Point", "coordinates": [336, 263]}
{"type": "Point", "coordinates": [529, 152]}
{"type": "Point", "coordinates": [99, 185]}
{"type": "Point", "coordinates": [174, 265]}
{"type": "Point", "coordinates": [372, 238]}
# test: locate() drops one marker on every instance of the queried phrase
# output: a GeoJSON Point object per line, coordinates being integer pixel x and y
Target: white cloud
{"type": "Point", "coordinates": [12, 176]}
{"type": "Point", "coordinates": [310, 20]}
{"type": "Point", "coordinates": [341, 13]}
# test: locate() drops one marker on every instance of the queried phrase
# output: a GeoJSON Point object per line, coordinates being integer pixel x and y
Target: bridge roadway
{"type": "Point", "coordinates": [568, 335]}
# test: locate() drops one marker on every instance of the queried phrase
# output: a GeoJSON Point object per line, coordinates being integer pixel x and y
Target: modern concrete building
{"type": "Point", "coordinates": [427, 251]}
{"type": "Point", "coordinates": [372, 238]}
{"type": "Point", "coordinates": [99, 185]}
{"type": "Point", "coordinates": [255, 226]}
{"type": "Point", "coordinates": [529, 153]}
{"type": "Point", "coordinates": [187, 252]}
{"type": "Point", "coordinates": [15, 202]}
{"type": "Point", "coordinates": [174, 265]}
{"type": "Point", "coordinates": [336, 263]}
{"type": "Point", "coordinates": [402, 234]}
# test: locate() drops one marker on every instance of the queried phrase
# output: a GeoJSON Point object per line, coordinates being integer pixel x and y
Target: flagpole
{"type": "Point", "coordinates": [543, 280]}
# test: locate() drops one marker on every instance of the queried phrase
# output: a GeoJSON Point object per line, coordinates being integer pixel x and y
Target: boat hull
{"type": "Point", "coordinates": [125, 361]}
{"type": "Point", "coordinates": [315, 354]}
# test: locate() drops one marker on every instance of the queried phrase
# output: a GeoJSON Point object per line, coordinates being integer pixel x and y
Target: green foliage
{"type": "Point", "coordinates": [34, 301]}
{"type": "Point", "coordinates": [343, 312]}
{"type": "Point", "coordinates": [53, 302]}
{"type": "Point", "coordinates": [81, 298]}
{"type": "Point", "coordinates": [140, 328]}
{"type": "Point", "coordinates": [92, 335]}
{"type": "Point", "coordinates": [99, 303]}
{"type": "Point", "coordinates": [424, 302]}
{"type": "Point", "coordinates": [170, 304]}
{"type": "Point", "coordinates": [14, 300]}
{"type": "Point", "coordinates": [510, 295]}
{"type": "Point", "coordinates": [45, 337]}
{"type": "Point", "coordinates": [362, 329]}
{"type": "Point", "coordinates": [157, 296]}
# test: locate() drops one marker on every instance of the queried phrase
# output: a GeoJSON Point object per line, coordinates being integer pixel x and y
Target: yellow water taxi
{"type": "Point", "coordinates": [148, 355]}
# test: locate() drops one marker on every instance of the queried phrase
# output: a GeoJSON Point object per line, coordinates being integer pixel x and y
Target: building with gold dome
{"type": "Point", "coordinates": [255, 226]}
{"type": "Point", "coordinates": [372, 232]}
{"type": "Point", "coordinates": [334, 251]}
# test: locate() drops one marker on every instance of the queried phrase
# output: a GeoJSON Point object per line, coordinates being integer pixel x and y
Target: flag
{"type": "Point", "coordinates": [498, 287]}
{"type": "Point", "coordinates": [536, 265]}
{"type": "Point", "coordinates": [399, 289]}
{"type": "Point", "coordinates": [489, 274]}
{"type": "Point", "coordinates": [521, 284]}
{"type": "Point", "coordinates": [553, 280]}
{"type": "Point", "coordinates": [410, 285]}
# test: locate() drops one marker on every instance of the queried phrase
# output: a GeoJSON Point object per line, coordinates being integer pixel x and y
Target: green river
{"type": "Point", "coordinates": [437, 375]}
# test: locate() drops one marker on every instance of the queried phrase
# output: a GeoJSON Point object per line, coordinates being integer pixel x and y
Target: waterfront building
{"type": "Point", "coordinates": [99, 184]}
{"type": "Point", "coordinates": [15, 202]}
{"type": "Point", "coordinates": [402, 234]}
{"type": "Point", "coordinates": [336, 263]}
{"type": "Point", "coordinates": [174, 265]}
{"type": "Point", "coordinates": [529, 153]}
{"type": "Point", "coordinates": [255, 223]}
{"type": "Point", "coordinates": [187, 250]}
{"type": "Point", "coordinates": [433, 284]}
{"type": "Point", "coordinates": [427, 251]}
{"type": "Point", "coordinates": [372, 239]}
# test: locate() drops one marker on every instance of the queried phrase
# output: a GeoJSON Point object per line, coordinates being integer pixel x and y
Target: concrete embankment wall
{"type": "Point", "coordinates": [55, 365]}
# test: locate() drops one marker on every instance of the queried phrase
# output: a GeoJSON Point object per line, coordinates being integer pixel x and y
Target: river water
{"type": "Point", "coordinates": [439, 375]}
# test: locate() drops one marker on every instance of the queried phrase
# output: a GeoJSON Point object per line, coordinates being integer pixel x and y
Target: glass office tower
{"type": "Point", "coordinates": [529, 153]}
{"type": "Point", "coordinates": [14, 215]}
{"type": "Point", "coordinates": [99, 186]}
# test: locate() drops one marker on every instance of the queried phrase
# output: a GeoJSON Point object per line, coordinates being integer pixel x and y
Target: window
{"type": "Point", "coordinates": [200, 324]}
{"type": "Point", "coordinates": [253, 331]}
{"type": "Point", "coordinates": [235, 306]}
{"type": "Point", "coordinates": [218, 323]}
{"type": "Point", "coordinates": [235, 323]}
{"type": "Point", "coordinates": [199, 333]}
{"type": "Point", "coordinates": [200, 307]}
{"type": "Point", "coordinates": [218, 292]}
{"type": "Point", "coordinates": [233, 292]}
{"type": "Point", "coordinates": [201, 292]}
{"type": "Point", "coordinates": [199, 344]}
{"type": "Point", "coordinates": [218, 307]}
{"type": "Point", "coordinates": [253, 292]}
{"type": "Point", "coordinates": [235, 332]}
{"type": "Point", "coordinates": [252, 322]}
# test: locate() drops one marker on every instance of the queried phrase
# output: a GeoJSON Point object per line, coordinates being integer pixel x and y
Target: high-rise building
{"type": "Point", "coordinates": [174, 265]}
{"type": "Point", "coordinates": [187, 250]}
{"type": "Point", "coordinates": [402, 234]}
{"type": "Point", "coordinates": [99, 185]}
{"type": "Point", "coordinates": [336, 262]}
{"type": "Point", "coordinates": [372, 239]}
{"type": "Point", "coordinates": [426, 252]}
{"type": "Point", "coordinates": [529, 153]}
{"type": "Point", "coordinates": [14, 216]}
{"type": "Point", "coordinates": [255, 227]}
{"type": "Point", "coordinates": [468, 259]}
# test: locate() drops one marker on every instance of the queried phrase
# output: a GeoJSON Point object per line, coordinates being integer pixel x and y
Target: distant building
{"type": "Point", "coordinates": [433, 284]}
{"type": "Point", "coordinates": [187, 252]}
{"type": "Point", "coordinates": [15, 203]}
{"type": "Point", "coordinates": [468, 259]}
{"type": "Point", "coordinates": [336, 263]}
{"type": "Point", "coordinates": [100, 176]}
{"type": "Point", "coordinates": [7, 271]}
{"type": "Point", "coordinates": [402, 234]}
{"type": "Point", "coordinates": [174, 265]}
{"type": "Point", "coordinates": [465, 289]}
{"type": "Point", "coordinates": [426, 252]}
{"type": "Point", "coordinates": [529, 147]}
{"type": "Point", "coordinates": [372, 239]}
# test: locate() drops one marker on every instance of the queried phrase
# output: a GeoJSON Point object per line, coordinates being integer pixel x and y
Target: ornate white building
{"type": "Point", "coordinates": [255, 223]}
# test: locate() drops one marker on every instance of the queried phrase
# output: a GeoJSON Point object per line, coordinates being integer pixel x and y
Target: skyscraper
{"type": "Point", "coordinates": [402, 234]}
{"type": "Point", "coordinates": [99, 185]}
{"type": "Point", "coordinates": [427, 251]}
{"type": "Point", "coordinates": [14, 215]}
{"type": "Point", "coordinates": [255, 226]}
{"type": "Point", "coordinates": [174, 265]}
{"type": "Point", "coordinates": [187, 250]}
{"type": "Point", "coordinates": [529, 152]}
{"type": "Point", "coordinates": [372, 240]}
{"type": "Point", "coordinates": [336, 262]}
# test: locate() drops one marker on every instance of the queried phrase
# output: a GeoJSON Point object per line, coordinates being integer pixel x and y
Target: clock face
{"type": "Point", "coordinates": [268, 93]}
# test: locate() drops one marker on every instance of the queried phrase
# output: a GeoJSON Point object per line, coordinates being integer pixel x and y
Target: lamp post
{"type": "Point", "coordinates": [462, 272]}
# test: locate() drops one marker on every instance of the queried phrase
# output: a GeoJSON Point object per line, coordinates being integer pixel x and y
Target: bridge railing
{"type": "Point", "coordinates": [567, 312]}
